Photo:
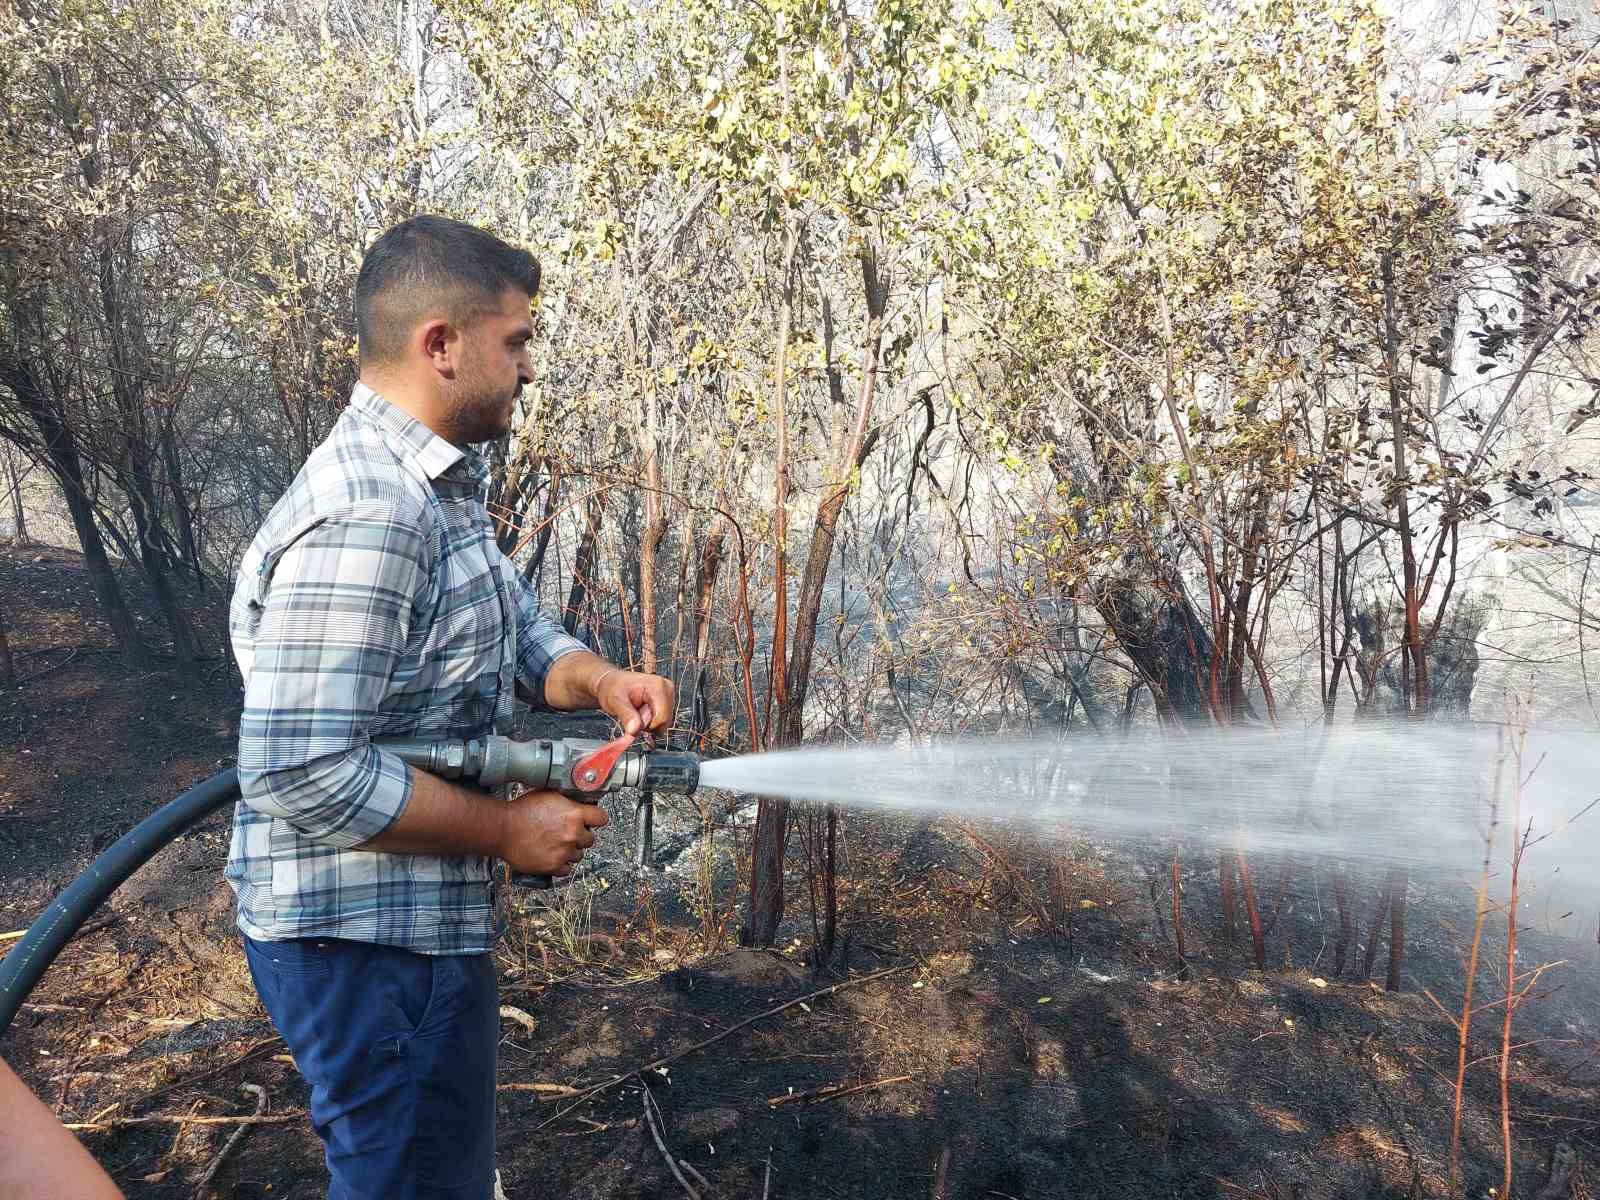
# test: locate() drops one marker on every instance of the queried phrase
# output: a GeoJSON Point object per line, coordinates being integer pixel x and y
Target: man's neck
{"type": "Point", "coordinates": [409, 399]}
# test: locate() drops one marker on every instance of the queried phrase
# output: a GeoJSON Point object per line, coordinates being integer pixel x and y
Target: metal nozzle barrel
{"type": "Point", "coordinates": [671, 771]}
{"type": "Point", "coordinates": [495, 760]}
{"type": "Point", "coordinates": [487, 761]}
{"type": "Point", "coordinates": [448, 758]}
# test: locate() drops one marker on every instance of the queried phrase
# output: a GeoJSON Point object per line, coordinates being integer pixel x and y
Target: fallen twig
{"type": "Point", "coordinates": [127, 977]}
{"type": "Point", "coordinates": [40, 674]}
{"type": "Point", "coordinates": [162, 1170]}
{"type": "Point", "coordinates": [590, 1093]}
{"type": "Point", "coordinates": [512, 1013]}
{"type": "Point", "coordinates": [599, 1127]}
{"type": "Point", "coordinates": [256, 1051]}
{"type": "Point", "coordinates": [661, 1145]}
{"type": "Point", "coordinates": [705, 1184]}
{"type": "Point", "coordinates": [260, 1093]}
{"type": "Point", "coordinates": [168, 1119]}
{"type": "Point", "coordinates": [550, 1091]}
{"type": "Point", "coordinates": [832, 1091]}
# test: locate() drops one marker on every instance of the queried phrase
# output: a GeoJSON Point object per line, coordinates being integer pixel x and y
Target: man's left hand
{"type": "Point", "coordinates": [636, 701]}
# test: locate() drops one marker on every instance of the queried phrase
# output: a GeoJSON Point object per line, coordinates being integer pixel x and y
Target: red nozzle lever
{"type": "Point", "coordinates": [590, 773]}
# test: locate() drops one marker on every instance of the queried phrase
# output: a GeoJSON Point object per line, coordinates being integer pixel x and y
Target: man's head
{"type": "Point", "coordinates": [442, 319]}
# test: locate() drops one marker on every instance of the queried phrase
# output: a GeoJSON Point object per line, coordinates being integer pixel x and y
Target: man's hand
{"type": "Point", "coordinates": [583, 680]}
{"type": "Point", "coordinates": [544, 833]}
{"type": "Point", "coordinates": [635, 700]}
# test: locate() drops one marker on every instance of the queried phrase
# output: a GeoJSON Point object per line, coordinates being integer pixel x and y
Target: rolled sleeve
{"type": "Point", "coordinates": [334, 618]}
{"type": "Point", "coordinates": [540, 641]}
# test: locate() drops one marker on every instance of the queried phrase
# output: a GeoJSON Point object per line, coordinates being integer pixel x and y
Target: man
{"type": "Point", "coordinates": [374, 602]}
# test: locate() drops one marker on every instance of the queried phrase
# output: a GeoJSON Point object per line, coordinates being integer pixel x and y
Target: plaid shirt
{"type": "Point", "coordinates": [373, 602]}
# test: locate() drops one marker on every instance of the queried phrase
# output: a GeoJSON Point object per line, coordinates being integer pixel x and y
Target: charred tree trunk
{"type": "Point", "coordinates": [770, 842]}
{"type": "Point", "coordinates": [19, 515]}
{"type": "Point", "coordinates": [583, 569]}
{"type": "Point", "coordinates": [132, 363]}
{"type": "Point", "coordinates": [1414, 658]}
{"type": "Point", "coordinates": [1239, 627]}
{"type": "Point", "coordinates": [1252, 908]}
{"type": "Point", "coordinates": [1228, 895]}
{"type": "Point", "coordinates": [188, 543]}
{"type": "Point", "coordinates": [8, 668]}
{"type": "Point", "coordinates": [1167, 643]}
{"type": "Point", "coordinates": [61, 454]}
{"type": "Point", "coordinates": [830, 883]}
{"type": "Point", "coordinates": [1399, 879]}
{"type": "Point", "coordinates": [1372, 938]}
{"type": "Point", "coordinates": [1341, 948]}
{"type": "Point", "coordinates": [655, 530]}
{"type": "Point", "coordinates": [541, 540]}
{"type": "Point", "coordinates": [705, 587]}
{"type": "Point", "coordinates": [655, 517]}
{"type": "Point", "coordinates": [157, 565]}
{"type": "Point", "coordinates": [766, 883]}
{"type": "Point", "coordinates": [512, 478]}
{"type": "Point", "coordinates": [1176, 872]}
{"type": "Point", "coordinates": [102, 577]}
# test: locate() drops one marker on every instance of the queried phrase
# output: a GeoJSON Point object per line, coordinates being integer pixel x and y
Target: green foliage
{"type": "Point", "coordinates": [1190, 275]}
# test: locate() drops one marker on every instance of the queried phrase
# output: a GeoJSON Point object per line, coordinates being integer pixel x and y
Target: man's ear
{"type": "Point", "coordinates": [441, 346]}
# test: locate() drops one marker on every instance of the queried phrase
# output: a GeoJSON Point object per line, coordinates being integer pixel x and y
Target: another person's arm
{"type": "Point", "coordinates": [39, 1160]}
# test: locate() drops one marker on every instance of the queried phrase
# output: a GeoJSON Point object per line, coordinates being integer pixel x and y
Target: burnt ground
{"type": "Point", "coordinates": [1012, 1016]}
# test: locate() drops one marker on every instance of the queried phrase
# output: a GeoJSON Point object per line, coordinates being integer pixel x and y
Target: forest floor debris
{"type": "Point", "coordinates": [1028, 1015]}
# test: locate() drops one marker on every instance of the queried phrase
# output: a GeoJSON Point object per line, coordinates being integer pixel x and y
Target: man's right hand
{"type": "Point", "coordinates": [538, 833]}
{"type": "Point", "coordinates": [546, 834]}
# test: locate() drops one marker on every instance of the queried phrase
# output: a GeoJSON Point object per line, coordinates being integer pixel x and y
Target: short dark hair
{"type": "Point", "coordinates": [433, 264]}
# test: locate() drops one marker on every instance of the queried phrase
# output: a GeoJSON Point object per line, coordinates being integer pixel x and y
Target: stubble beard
{"type": "Point", "coordinates": [479, 410]}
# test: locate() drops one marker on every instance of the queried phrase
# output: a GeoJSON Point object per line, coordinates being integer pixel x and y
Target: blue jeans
{"type": "Point", "coordinates": [399, 1049]}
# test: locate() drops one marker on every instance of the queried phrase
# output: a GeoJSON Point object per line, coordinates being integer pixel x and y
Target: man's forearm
{"type": "Point", "coordinates": [570, 685]}
{"type": "Point", "coordinates": [445, 818]}
{"type": "Point", "coordinates": [538, 833]}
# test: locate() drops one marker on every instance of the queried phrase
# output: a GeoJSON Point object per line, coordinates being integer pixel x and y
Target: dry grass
{"type": "Point", "coordinates": [567, 934]}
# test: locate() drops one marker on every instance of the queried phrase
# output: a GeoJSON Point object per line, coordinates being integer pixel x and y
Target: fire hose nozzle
{"type": "Point", "coordinates": [578, 768]}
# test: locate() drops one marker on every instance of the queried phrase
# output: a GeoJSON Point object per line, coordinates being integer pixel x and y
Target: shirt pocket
{"type": "Point", "coordinates": [260, 581]}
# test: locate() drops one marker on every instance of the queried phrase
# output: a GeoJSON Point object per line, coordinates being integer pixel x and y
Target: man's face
{"type": "Point", "coordinates": [494, 367]}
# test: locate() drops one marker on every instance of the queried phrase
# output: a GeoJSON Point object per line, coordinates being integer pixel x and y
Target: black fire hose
{"type": "Point", "coordinates": [576, 767]}
{"type": "Point", "coordinates": [31, 957]}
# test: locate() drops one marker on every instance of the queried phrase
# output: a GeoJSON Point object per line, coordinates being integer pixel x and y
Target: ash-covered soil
{"type": "Point", "coordinates": [1009, 1019]}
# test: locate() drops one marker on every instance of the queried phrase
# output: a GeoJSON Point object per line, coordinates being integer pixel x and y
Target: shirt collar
{"type": "Point", "coordinates": [432, 453]}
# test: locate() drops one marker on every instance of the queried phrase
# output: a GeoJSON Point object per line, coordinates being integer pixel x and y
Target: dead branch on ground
{"type": "Point", "coordinates": [590, 1093]}
{"type": "Point", "coordinates": [260, 1093]}
{"type": "Point", "coordinates": [106, 1124]}
{"type": "Point", "coordinates": [832, 1091]}
{"type": "Point", "coordinates": [661, 1145]}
